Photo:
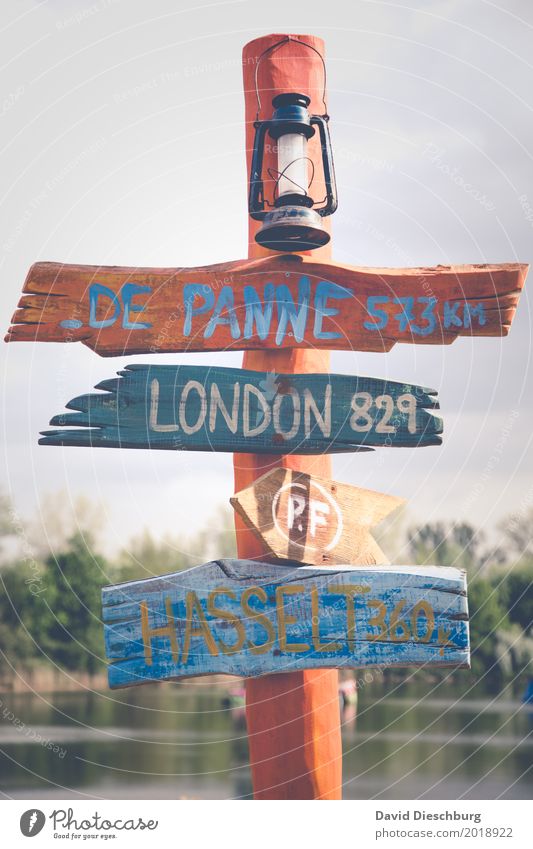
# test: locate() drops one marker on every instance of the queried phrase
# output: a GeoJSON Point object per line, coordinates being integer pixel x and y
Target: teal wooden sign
{"type": "Point", "coordinates": [197, 408]}
{"type": "Point", "coordinates": [241, 617]}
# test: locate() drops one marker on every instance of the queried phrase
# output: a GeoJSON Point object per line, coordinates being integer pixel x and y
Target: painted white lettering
{"type": "Point", "coordinates": [218, 404]}
{"type": "Point", "coordinates": [323, 420]}
{"type": "Point", "coordinates": [276, 413]}
{"type": "Point", "coordinates": [189, 386]}
{"type": "Point", "coordinates": [318, 510]}
{"type": "Point", "coordinates": [154, 409]}
{"type": "Point", "coordinates": [295, 508]}
{"type": "Point", "coordinates": [246, 429]}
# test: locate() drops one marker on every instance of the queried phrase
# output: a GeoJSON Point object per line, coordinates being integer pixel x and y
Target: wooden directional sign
{"type": "Point", "coordinates": [273, 302]}
{"type": "Point", "coordinates": [196, 408]}
{"type": "Point", "coordinates": [248, 618]}
{"type": "Point", "coordinates": [314, 520]}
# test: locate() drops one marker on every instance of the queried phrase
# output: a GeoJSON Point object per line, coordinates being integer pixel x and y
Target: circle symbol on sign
{"type": "Point", "coordinates": [308, 509]}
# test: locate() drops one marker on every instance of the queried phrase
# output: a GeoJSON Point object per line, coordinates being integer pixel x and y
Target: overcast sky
{"type": "Point", "coordinates": [122, 142]}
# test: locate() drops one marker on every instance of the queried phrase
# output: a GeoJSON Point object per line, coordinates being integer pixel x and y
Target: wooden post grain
{"type": "Point", "coordinates": [293, 718]}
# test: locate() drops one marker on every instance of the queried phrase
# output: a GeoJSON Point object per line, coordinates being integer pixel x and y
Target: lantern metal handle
{"type": "Point", "coordinates": [329, 172]}
{"type": "Point", "coordinates": [256, 201]}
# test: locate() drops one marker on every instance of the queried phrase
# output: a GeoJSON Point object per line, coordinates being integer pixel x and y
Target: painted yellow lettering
{"type": "Point", "coordinates": [425, 608]}
{"type": "Point", "coordinates": [261, 618]}
{"type": "Point", "coordinates": [315, 623]}
{"type": "Point", "coordinates": [349, 591]}
{"type": "Point", "coordinates": [399, 628]}
{"type": "Point", "coordinates": [194, 608]}
{"type": "Point", "coordinates": [285, 618]}
{"type": "Point", "coordinates": [377, 621]}
{"type": "Point", "coordinates": [168, 630]}
{"type": "Point", "coordinates": [228, 616]}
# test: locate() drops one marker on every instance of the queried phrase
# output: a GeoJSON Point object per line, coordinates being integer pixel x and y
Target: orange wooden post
{"type": "Point", "coordinates": [293, 718]}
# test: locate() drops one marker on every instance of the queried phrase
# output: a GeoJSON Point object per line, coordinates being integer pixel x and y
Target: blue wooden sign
{"type": "Point", "coordinates": [241, 617]}
{"type": "Point", "coordinates": [197, 408]}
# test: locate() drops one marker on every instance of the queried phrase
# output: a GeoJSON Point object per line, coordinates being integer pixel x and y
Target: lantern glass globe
{"type": "Point", "coordinates": [292, 165]}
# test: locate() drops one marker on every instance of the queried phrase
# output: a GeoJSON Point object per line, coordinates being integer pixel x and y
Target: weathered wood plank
{"type": "Point", "coordinates": [247, 618]}
{"type": "Point", "coordinates": [313, 520]}
{"type": "Point", "coordinates": [273, 302]}
{"type": "Point", "coordinates": [197, 408]}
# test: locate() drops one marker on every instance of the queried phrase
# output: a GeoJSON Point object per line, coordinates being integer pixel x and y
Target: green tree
{"type": "Point", "coordinates": [6, 517]}
{"type": "Point", "coordinates": [447, 544]}
{"type": "Point", "coordinates": [517, 530]}
{"type": "Point", "coordinates": [145, 557]}
{"type": "Point", "coordinates": [8, 525]}
{"type": "Point", "coordinates": [517, 586]}
{"type": "Point", "coordinates": [217, 539]}
{"type": "Point", "coordinates": [515, 652]}
{"type": "Point", "coordinates": [488, 618]}
{"type": "Point", "coordinates": [20, 609]}
{"type": "Point", "coordinates": [74, 579]}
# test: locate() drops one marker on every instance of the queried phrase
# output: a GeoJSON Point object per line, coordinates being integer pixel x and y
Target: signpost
{"type": "Point", "coordinates": [301, 517]}
{"type": "Point", "coordinates": [195, 408]}
{"type": "Point", "coordinates": [241, 617]}
{"type": "Point", "coordinates": [286, 306]}
{"type": "Point", "coordinates": [274, 302]}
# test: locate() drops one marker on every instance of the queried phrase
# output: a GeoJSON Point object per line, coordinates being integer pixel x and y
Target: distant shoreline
{"type": "Point", "coordinates": [49, 679]}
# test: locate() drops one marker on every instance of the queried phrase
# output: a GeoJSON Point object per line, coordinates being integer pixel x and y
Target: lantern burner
{"type": "Point", "coordinates": [292, 228]}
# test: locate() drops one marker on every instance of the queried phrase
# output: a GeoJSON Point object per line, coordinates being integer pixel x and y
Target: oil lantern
{"type": "Point", "coordinates": [292, 218]}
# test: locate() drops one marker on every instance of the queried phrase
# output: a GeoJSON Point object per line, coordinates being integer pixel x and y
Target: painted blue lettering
{"type": "Point", "coordinates": [451, 319]}
{"type": "Point", "coordinates": [428, 314]}
{"type": "Point", "coordinates": [129, 290]}
{"type": "Point", "coordinates": [474, 310]}
{"type": "Point", "coordinates": [71, 323]}
{"type": "Point", "coordinates": [326, 290]}
{"type": "Point", "coordinates": [225, 301]}
{"type": "Point", "coordinates": [97, 290]}
{"type": "Point", "coordinates": [255, 313]}
{"type": "Point", "coordinates": [372, 309]}
{"type": "Point", "coordinates": [190, 292]}
{"type": "Point", "coordinates": [287, 310]}
{"type": "Point", "coordinates": [405, 316]}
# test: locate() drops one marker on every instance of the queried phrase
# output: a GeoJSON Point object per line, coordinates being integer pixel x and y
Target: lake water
{"type": "Point", "coordinates": [410, 740]}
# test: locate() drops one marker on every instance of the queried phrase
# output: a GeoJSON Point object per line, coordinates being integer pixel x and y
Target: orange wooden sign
{"type": "Point", "coordinates": [273, 302]}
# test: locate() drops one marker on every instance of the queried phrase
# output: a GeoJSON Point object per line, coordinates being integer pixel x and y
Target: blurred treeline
{"type": "Point", "coordinates": [50, 583]}
{"type": "Point", "coordinates": [50, 602]}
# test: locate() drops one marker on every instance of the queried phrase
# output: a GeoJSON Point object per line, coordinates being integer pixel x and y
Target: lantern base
{"type": "Point", "coordinates": [292, 228]}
